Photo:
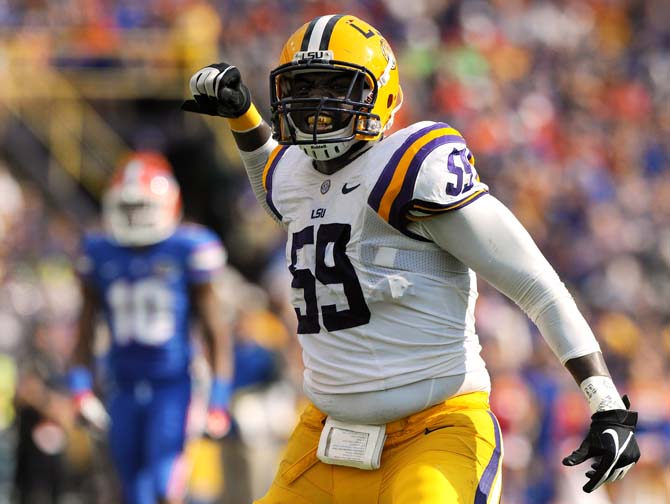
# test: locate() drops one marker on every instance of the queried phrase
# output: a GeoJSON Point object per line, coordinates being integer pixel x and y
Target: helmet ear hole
{"type": "Point", "coordinates": [389, 102]}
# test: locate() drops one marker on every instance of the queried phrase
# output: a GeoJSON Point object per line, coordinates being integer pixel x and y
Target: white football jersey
{"type": "Point", "coordinates": [378, 306]}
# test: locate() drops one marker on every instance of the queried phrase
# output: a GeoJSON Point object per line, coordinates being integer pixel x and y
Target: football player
{"type": "Point", "coordinates": [148, 274]}
{"type": "Point", "coordinates": [385, 234]}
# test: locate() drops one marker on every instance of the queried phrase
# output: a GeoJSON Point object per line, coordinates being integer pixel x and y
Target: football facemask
{"type": "Point", "coordinates": [324, 109]}
{"type": "Point", "coordinates": [326, 100]}
{"type": "Point", "coordinates": [142, 205]}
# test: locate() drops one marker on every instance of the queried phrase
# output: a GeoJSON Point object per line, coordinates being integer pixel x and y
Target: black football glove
{"type": "Point", "coordinates": [611, 440]}
{"type": "Point", "coordinates": [218, 90]}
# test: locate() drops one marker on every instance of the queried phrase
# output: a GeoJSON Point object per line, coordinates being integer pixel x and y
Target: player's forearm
{"type": "Point", "coordinates": [591, 374]}
{"type": "Point", "coordinates": [221, 352]}
{"type": "Point", "coordinates": [249, 130]}
{"type": "Point", "coordinates": [249, 140]}
{"type": "Point", "coordinates": [255, 147]}
{"type": "Point", "coordinates": [217, 334]}
{"type": "Point", "coordinates": [586, 366]}
{"type": "Point", "coordinates": [33, 392]}
{"type": "Point", "coordinates": [83, 351]}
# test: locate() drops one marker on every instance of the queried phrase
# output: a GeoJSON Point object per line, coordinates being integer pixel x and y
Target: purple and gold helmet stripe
{"type": "Point", "coordinates": [268, 172]}
{"type": "Point", "coordinates": [318, 33]}
{"type": "Point", "coordinates": [486, 492]}
{"type": "Point", "coordinates": [395, 185]}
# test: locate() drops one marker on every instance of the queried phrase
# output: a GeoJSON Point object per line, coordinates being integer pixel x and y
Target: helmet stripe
{"type": "Point", "coordinates": [319, 29]}
{"type": "Point", "coordinates": [328, 32]}
{"type": "Point", "coordinates": [308, 34]}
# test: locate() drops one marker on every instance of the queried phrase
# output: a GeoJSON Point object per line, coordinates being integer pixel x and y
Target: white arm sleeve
{"type": "Point", "coordinates": [254, 163]}
{"type": "Point", "coordinates": [488, 238]}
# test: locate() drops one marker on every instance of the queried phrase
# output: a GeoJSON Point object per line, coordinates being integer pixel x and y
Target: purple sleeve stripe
{"type": "Point", "coordinates": [489, 475]}
{"type": "Point", "coordinates": [386, 176]}
{"type": "Point", "coordinates": [270, 174]}
{"type": "Point", "coordinates": [403, 199]}
{"type": "Point", "coordinates": [429, 207]}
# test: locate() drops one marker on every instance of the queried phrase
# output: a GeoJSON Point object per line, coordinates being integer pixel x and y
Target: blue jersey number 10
{"type": "Point", "coordinates": [141, 312]}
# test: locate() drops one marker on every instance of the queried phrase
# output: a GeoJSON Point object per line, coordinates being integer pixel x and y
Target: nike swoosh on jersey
{"type": "Point", "coordinates": [428, 431]}
{"type": "Point", "coordinates": [347, 190]}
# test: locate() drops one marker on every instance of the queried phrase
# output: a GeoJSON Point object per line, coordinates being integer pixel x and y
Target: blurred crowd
{"type": "Point", "coordinates": [566, 106]}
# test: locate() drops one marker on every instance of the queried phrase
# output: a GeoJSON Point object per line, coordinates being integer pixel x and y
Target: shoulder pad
{"type": "Point", "coordinates": [206, 254]}
{"type": "Point", "coordinates": [431, 172]}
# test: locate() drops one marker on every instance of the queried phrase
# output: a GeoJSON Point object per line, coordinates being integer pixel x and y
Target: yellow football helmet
{"type": "Point", "coordinates": [365, 89]}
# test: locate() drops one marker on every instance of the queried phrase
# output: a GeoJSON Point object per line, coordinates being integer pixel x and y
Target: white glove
{"type": "Point", "coordinates": [93, 412]}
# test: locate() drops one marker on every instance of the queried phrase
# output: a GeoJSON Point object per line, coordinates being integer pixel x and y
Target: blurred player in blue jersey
{"type": "Point", "coordinates": [386, 235]}
{"type": "Point", "coordinates": [149, 275]}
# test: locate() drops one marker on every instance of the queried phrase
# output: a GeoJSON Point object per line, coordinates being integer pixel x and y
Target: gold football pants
{"type": "Point", "coordinates": [448, 453]}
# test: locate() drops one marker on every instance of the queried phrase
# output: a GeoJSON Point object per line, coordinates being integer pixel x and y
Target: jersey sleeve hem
{"type": "Point", "coordinates": [420, 209]}
{"type": "Point", "coordinates": [579, 352]}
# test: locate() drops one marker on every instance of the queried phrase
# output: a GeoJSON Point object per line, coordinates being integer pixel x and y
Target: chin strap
{"type": "Point", "coordinates": [357, 150]}
{"type": "Point", "coordinates": [327, 152]}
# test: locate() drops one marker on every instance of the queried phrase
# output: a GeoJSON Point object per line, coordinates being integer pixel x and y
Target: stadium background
{"type": "Point", "coordinates": [566, 105]}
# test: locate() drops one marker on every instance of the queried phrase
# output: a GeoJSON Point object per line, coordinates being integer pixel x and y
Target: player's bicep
{"type": "Point", "coordinates": [260, 165]}
{"type": "Point", "coordinates": [488, 238]}
{"type": "Point", "coordinates": [205, 299]}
